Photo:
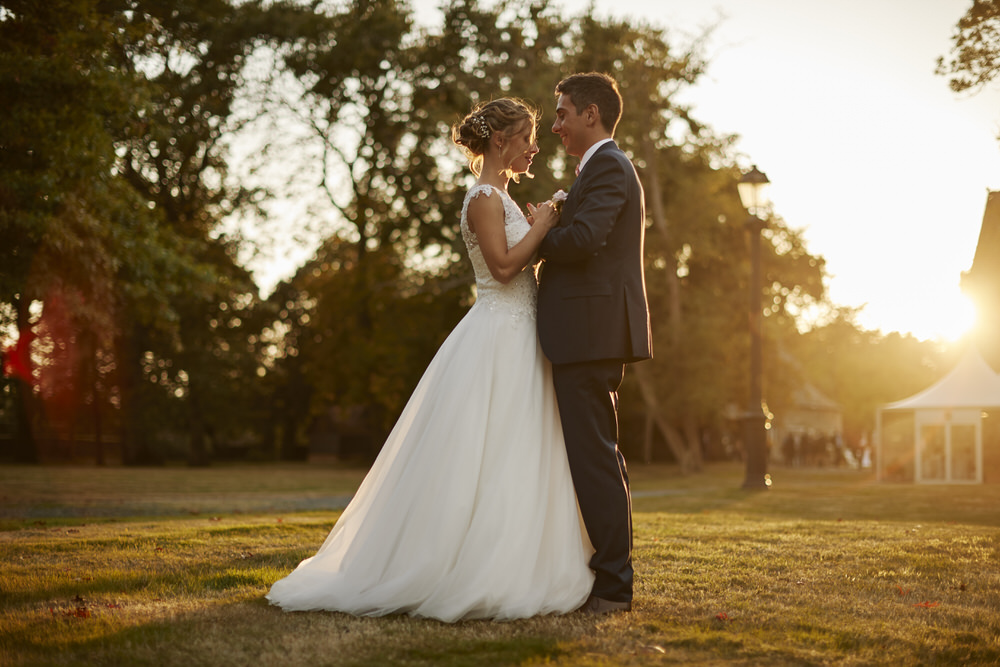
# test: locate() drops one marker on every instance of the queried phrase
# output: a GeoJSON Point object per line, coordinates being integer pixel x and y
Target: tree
{"type": "Point", "coordinates": [63, 212]}
{"type": "Point", "coordinates": [194, 58]}
{"type": "Point", "coordinates": [114, 186]}
{"type": "Point", "coordinates": [975, 54]}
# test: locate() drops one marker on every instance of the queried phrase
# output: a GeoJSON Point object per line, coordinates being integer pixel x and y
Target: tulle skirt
{"type": "Point", "coordinates": [469, 510]}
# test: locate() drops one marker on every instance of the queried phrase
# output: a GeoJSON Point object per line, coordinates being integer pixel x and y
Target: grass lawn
{"type": "Point", "coordinates": [169, 567]}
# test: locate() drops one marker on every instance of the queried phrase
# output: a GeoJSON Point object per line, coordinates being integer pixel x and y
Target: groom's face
{"type": "Point", "coordinates": [569, 125]}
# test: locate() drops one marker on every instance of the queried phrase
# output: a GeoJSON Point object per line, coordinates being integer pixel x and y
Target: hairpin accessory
{"type": "Point", "coordinates": [480, 127]}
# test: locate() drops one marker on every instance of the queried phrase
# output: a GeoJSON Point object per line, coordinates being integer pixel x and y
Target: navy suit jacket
{"type": "Point", "coordinates": [592, 290]}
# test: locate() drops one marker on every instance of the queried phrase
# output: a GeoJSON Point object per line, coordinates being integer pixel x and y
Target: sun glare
{"type": "Point", "coordinates": [960, 320]}
{"type": "Point", "coordinates": [950, 321]}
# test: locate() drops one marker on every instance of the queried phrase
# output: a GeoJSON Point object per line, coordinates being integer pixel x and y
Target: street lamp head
{"type": "Point", "coordinates": [752, 188]}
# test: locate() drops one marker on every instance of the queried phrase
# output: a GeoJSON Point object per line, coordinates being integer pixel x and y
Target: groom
{"type": "Point", "coordinates": [593, 319]}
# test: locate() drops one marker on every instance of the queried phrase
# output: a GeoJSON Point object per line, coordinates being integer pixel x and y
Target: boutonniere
{"type": "Point", "coordinates": [557, 200]}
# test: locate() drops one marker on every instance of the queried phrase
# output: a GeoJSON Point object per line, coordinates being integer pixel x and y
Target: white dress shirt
{"type": "Point", "coordinates": [590, 152]}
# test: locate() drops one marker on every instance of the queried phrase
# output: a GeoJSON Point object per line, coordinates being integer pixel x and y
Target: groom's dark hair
{"type": "Point", "coordinates": [594, 88]}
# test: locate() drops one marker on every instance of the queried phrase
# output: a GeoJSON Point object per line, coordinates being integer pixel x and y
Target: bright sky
{"type": "Point", "coordinates": [866, 148]}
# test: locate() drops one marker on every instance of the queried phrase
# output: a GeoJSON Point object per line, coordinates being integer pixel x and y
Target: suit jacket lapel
{"type": "Point", "coordinates": [574, 190]}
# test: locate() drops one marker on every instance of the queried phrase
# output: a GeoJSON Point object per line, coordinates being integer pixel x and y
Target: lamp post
{"type": "Point", "coordinates": [752, 188]}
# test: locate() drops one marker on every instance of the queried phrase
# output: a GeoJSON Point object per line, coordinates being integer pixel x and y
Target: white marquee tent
{"type": "Point", "coordinates": [938, 435]}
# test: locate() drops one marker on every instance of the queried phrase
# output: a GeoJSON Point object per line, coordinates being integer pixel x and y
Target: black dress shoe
{"type": "Point", "coordinates": [596, 606]}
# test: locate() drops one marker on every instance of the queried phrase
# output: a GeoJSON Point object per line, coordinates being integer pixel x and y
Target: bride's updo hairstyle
{"type": "Point", "coordinates": [506, 116]}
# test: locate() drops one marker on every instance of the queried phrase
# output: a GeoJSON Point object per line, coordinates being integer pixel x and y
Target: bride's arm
{"type": "Point", "coordinates": [486, 219]}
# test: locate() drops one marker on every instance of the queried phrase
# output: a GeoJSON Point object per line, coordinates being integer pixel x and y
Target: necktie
{"type": "Point", "coordinates": [577, 168]}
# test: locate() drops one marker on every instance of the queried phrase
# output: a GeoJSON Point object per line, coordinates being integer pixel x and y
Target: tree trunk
{"type": "Point", "coordinates": [134, 436]}
{"type": "Point", "coordinates": [654, 195]}
{"type": "Point", "coordinates": [674, 439]}
{"type": "Point", "coordinates": [198, 452]}
{"type": "Point", "coordinates": [98, 424]}
{"type": "Point", "coordinates": [289, 446]}
{"type": "Point", "coordinates": [90, 378]}
{"type": "Point", "coordinates": [692, 434]}
{"type": "Point", "coordinates": [689, 458]}
{"type": "Point", "coordinates": [188, 359]}
{"type": "Point", "coordinates": [25, 441]}
{"type": "Point", "coordinates": [647, 442]}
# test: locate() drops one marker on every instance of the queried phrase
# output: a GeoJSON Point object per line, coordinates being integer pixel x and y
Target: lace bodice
{"type": "Point", "coordinates": [519, 295]}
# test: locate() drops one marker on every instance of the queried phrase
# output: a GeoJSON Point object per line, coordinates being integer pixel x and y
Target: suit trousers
{"type": "Point", "coordinates": [587, 393]}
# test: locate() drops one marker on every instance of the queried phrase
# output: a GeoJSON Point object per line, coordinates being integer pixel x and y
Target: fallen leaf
{"type": "Point", "coordinates": [926, 605]}
{"type": "Point", "coordinates": [901, 591]}
{"type": "Point", "coordinates": [722, 616]}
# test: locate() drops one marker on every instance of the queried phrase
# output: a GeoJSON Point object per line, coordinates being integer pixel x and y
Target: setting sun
{"type": "Point", "coordinates": [953, 319]}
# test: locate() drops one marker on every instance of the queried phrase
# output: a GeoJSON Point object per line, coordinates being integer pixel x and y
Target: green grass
{"type": "Point", "coordinates": [827, 568]}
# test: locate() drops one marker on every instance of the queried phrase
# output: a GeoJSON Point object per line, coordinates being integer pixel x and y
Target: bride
{"type": "Point", "coordinates": [469, 510]}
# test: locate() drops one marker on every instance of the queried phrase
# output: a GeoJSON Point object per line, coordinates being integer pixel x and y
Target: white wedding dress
{"type": "Point", "coordinates": [469, 510]}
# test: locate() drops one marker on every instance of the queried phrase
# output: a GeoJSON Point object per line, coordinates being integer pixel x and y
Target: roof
{"type": "Point", "coordinates": [808, 397]}
{"type": "Point", "coordinates": [971, 384]}
{"type": "Point", "coordinates": [987, 257]}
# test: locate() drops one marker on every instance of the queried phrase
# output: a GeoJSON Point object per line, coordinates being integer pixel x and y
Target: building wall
{"type": "Point", "coordinates": [898, 451]}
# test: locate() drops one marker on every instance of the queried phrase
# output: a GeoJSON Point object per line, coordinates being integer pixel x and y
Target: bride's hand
{"type": "Point", "coordinates": [544, 214]}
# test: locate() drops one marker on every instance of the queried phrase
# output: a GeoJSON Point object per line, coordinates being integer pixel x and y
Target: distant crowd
{"type": "Point", "coordinates": [811, 449]}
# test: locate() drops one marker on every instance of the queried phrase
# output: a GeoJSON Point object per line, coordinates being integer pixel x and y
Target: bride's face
{"type": "Point", "coordinates": [521, 149]}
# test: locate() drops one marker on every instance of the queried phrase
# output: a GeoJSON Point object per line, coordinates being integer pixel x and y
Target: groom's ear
{"type": "Point", "coordinates": [592, 115]}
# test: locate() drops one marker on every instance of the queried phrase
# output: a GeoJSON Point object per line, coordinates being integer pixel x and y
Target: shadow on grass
{"type": "Point", "coordinates": [251, 632]}
{"type": "Point", "coordinates": [175, 600]}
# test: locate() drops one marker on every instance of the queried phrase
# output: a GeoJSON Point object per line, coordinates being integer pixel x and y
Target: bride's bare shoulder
{"type": "Point", "coordinates": [483, 210]}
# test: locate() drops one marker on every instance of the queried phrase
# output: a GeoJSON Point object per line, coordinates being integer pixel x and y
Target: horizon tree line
{"type": "Point", "coordinates": [130, 321]}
